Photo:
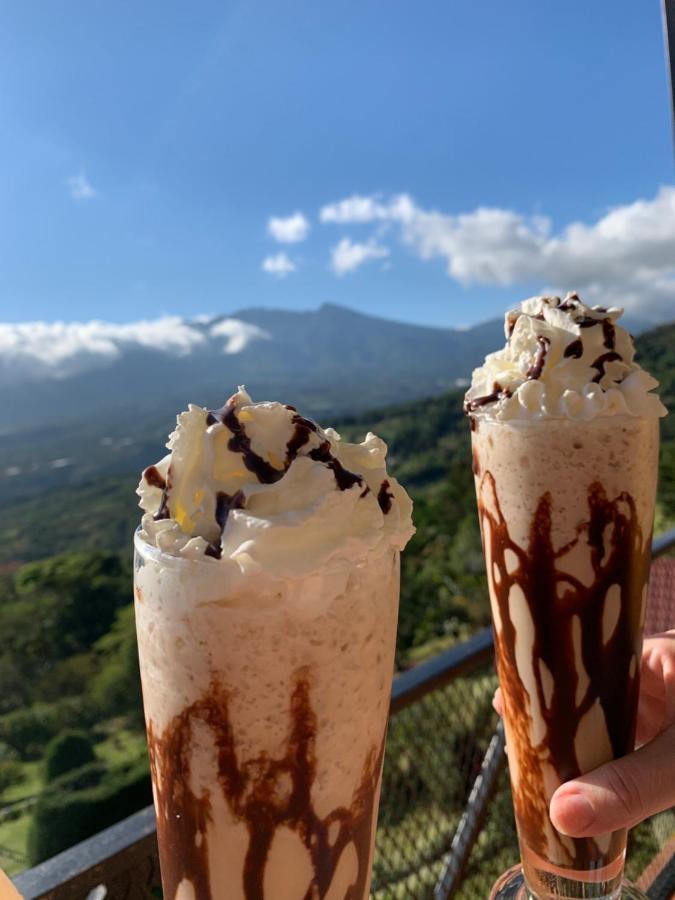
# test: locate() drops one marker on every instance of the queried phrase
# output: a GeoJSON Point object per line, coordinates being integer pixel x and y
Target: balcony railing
{"type": "Point", "coordinates": [445, 827]}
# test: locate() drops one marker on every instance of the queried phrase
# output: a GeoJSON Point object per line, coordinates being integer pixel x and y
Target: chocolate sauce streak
{"type": "Point", "coordinates": [224, 503]}
{"type": "Point", "coordinates": [154, 478]}
{"type": "Point", "coordinates": [343, 477]}
{"type": "Point", "coordinates": [266, 473]}
{"type": "Point", "coordinates": [608, 331]}
{"type": "Point", "coordinates": [574, 350]}
{"type": "Point", "coordinates": [586, 322]}
{"type": "Point", "coordinates": [385, 497]}
{"type": "Point", "coordinates": [600, 363]}
{"type": "Point", "coordinates": [240, 443]}
{"type": "Point", "coordinates": [304, 429]}
{"type": "Point", "coordinates": [498, 392]}
{"type": "Point", "coordinates": [264, 794]}
{"type": "Point", "coordinates": [619, 557]}
{"type": "Point", "coordinates": [537, 367]}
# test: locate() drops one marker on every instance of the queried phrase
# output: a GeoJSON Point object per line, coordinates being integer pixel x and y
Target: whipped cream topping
{"type": "Point", "coordinates": [562, 359]}
{"type": "Point", "coordinates": [260, 486]}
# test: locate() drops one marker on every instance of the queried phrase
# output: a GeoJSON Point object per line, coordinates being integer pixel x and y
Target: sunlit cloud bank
{"type": "Point", "coordinates": [626, 257]}
{"type": "Point", "coordinates": [59, 349]}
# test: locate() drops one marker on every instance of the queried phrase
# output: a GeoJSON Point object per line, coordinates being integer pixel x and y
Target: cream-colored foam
{"type": "Point", "coordinates": [591, 742]}
{"type": "Point", "coordinates": [519, 613]}
{"type": "Point", "coordinates": [254, 634]}
{"type": "Point", "coordinates": [583, 680]}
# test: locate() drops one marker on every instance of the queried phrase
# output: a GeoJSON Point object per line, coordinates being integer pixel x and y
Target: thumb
{"type": "Point", "coordinates": [620, 793]}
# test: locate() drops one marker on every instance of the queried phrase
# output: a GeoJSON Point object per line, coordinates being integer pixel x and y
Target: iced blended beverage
{"type": "Point", "coordinates": [565, 450]}
{"type": "Point", "coordinates": [267, 584]}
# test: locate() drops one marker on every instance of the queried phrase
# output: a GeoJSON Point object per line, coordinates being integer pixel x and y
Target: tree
{"type": "Point", "coordinates": [79, 593]}
{"type": "Point", "coordinates": [67, 751]}
{"type": "Point", "coordinates": [116, 689]}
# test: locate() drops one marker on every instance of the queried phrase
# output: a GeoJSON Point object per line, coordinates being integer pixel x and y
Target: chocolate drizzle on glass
{"type": "Point", "coordinates": [264, 794]}
{"type": "Point", "coordinates": [558, 602]}
{"type": "Point", "coordinates": [537, 367]}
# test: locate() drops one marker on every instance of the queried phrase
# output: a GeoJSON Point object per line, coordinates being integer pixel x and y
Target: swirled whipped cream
{"type": "Point", "coordinates": [260, 486]}
{"type": "Point", "coordinates": [562, 359]}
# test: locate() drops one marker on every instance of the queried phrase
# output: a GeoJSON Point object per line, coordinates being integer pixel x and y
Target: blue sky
{"type": "Point", "coordinates": [146, 145]}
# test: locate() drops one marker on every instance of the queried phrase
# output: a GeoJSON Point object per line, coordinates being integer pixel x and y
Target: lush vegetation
{"type": "Point", "coordinates": [72, 755]}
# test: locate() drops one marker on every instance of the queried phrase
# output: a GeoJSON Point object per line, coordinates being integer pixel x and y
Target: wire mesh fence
{"type": "Point", "coordinates": [434, 752]}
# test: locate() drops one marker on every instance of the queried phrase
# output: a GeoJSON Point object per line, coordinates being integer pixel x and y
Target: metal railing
{"type": "Point", "coordinates": [445, 817]}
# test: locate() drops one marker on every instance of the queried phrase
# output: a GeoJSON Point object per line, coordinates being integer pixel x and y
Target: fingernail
{"type": "Point", "coordinates": [576, 814]}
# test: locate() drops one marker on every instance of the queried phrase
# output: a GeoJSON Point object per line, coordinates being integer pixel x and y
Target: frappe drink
{"type": "Point", "coordinates": [267, 584]}
{"type": "Point", "coordinates": [565, 456]}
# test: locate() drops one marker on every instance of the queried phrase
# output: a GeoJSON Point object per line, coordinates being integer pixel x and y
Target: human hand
{"type": "Point", "coordinates": [625, 791]}
{"type": "Point", "coordinates": [7, 889]}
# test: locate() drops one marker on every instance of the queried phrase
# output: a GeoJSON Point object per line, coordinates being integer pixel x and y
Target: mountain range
{"type": "Point", "coordinates": [81, 400]}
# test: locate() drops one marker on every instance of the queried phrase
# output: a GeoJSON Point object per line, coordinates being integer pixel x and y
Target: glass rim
{"type": "Point", "coordinates": [152, 552]}
{"type": "Point", "coordinates": [545, 421]}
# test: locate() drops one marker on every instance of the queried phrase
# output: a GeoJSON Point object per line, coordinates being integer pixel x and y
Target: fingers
{"type": "Point", "coordinates": [498, 702]}
{"type": "Point", "coordinates": [620, 793]}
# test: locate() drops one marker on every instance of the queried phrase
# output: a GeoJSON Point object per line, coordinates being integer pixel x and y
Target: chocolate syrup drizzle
{"type": "Point", "coordinates": [619, 555]}
{"type": "Point", "coordinates": [263, 793]}
{"type": "Point", "coordinates": [240, 443]}
{"type": "Point", "coordinates": [155, 479]}
{"type": "Point", "coordinates": [498, 392]}
{"type": "Point", "coordinates": [575, 350]}
{"type": "Point", "coordinates": [537, 367]}
{"type": "Point", "coordinates": [224, 503]}
{"type": "Point", "coordinates": [609, 333]}
{"type": "Point", "coordinates": [343, 477]}
{"type": "Point", "coordinates": [385, 497]}
{"type": "Point", "coordinates": [601, 362]}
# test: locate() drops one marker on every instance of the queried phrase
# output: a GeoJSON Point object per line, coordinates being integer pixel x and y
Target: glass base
{"type": "Point", "coordinates": [511, 886]}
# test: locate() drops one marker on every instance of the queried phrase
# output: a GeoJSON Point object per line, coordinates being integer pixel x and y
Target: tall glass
{"type": "Point", "coordinates": [566, 511]}
{"type": "Point", "coordinates": [266, 706]}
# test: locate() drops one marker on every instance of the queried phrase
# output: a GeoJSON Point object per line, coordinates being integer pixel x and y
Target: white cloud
{"type": "Point", "coordinates": [290, 230]}
{"type": "Point", "coordinates": [280, 265]}
{"type": "Point", "coordinates": [347, 256]}
{"type": "Point", "coordinates": [626, 257]}
{"type": "Point", "coordinates": [80, 187]}
{"type": "Point", "coordinates": [358, 209]}
{"type": "Point", "coordinates": [239, 334]}
{"type": "Point", "coordinates": [60, 349]}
